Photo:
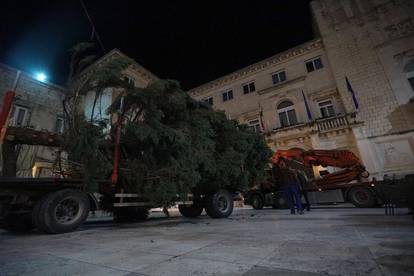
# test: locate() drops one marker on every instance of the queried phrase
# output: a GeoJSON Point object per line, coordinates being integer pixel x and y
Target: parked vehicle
{"type": "Point", "coordinates": [346, 185]}
{"type": "Point", "coordinates": [59, 205]}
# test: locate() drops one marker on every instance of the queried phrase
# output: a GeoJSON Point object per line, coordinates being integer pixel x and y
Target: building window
{"type": "Point", "coordinates": [326, 108]}
{"type": "Point", "coordinates": [228, 95]}
{"type": "Point", "coordinates": [314, 64]}
{"type": "Point", "coordinates": [208, 100]}
{"type": "Point", "coordinates": [249, 87]}
{"type": "Point", "coordinates": [287, 114]}
{"type": "Point", "coordinates": [254, 125]}
{"type": "Point", "coordinates": [19, 116]}
{"type": "Point", "coordinates": [411, 81]}
{"type": "Point", "coordinates": [60, 125]}
{"type": "Point", "coordinates": [279, 77]}
{"type": "Point", "coordinates": [409, 70]}
{"type": "Point", "coordinates": [130, 80]}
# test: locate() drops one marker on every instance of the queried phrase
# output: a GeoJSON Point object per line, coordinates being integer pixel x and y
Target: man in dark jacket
{"type": "Point", "coordinates": [303, 183]}
{"type": "Point", "coordinates": [290, 185]}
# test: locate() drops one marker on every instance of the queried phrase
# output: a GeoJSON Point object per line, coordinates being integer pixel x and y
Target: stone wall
{"type": "Point", "coordinates": [316, 85]}
{"type": "Point", "coordinates": [370, 42]}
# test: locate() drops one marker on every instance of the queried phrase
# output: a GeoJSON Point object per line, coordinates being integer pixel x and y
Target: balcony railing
{"type": "Point", "coordinates": [339, 121]}
{"type": "Point", "coordinates": [321, 125]}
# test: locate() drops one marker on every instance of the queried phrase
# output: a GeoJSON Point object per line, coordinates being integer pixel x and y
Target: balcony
{"type": "Point", "coordinates": [334, 123]}
{"type": "Point", "coordinates": [322, 125]}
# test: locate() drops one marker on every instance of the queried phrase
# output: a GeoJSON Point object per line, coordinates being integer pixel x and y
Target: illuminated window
{"type": "Point", "coordinates": [326, 108]}
{"type": "Point", "coordinates": [249, 87]}
{"type": "Point", "coordinates": [314, 64]}
{"type": "Point", "coordinates": [208, 100]}
{"type": "Point", "coordinates": [19, 116]}
{"type": "Point", "coordinates": [287, 114]}
{"type": "Point", "coordinates": [130, 80]}
{"type": "Point", "coordinates": [60, 124]}
{"type": "Point", "coordinates": [254, 125]}
{"type": "Point", "coordinates": [228, 95]}
{"type": "Point", "coordinates": [279, 77]}
{"type": "Point", "coordinates": [409, 70]}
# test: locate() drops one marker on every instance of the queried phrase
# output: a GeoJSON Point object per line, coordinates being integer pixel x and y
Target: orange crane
{"type": "Point", "coordinates": [350, 179]}
{"type": "Point", "coordinates": [352, 168]}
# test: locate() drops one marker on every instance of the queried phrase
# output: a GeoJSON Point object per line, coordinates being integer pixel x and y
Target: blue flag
{"type": "Point", "coordinates": [349, 87]}
{"type": "Point", "coordinates": [307, 107]}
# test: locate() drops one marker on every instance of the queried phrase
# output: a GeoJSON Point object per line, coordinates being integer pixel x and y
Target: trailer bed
{"type": "Point", "coordinates": [17, 183]}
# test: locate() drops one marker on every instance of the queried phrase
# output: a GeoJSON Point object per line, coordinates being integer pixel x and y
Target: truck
{"type": "Point", "coordinates": [61, 203]}
{"type": "Point", "coordinates": [347, 185]}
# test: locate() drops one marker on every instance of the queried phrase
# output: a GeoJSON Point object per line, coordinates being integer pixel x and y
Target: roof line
{"type": "Point", "coordinates": [251, 66]}
{"type": "Point", "coordinates": [102, 58]}
{"type": "Point", "coordinates": [30, 76]}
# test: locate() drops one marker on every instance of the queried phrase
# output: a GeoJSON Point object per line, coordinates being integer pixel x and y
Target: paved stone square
{"type": "Point", "coordinates": [325, 241]}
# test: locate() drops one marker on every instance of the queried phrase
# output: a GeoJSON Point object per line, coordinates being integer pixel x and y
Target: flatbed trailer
{"type": "Point", "coordinates": [59, 205]}
{"type": "Point", "coordinates": [360, 194]}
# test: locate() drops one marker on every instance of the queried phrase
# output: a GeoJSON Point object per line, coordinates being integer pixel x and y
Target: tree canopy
{"type": "Point", "coordinates": [181, 144]}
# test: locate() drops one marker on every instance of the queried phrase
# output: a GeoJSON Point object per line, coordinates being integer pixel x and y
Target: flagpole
{"type": "Point", "coordinates": [308, 112]}
{"type": "Point", "coordinates": [351, 90]}
{"type": "Point", "coordinates": [261, 118]}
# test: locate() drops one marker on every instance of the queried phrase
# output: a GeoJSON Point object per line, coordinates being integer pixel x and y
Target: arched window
{"type": "Point", "coordinates": [409, 70]}
{"type": "Point", "coordinates": [287, 114]}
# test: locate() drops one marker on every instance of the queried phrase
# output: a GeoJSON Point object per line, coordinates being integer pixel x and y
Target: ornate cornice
{"type": "Point", "coordinates": [278, 58]}
{"type": "Point", "coordinates": [114, 53]}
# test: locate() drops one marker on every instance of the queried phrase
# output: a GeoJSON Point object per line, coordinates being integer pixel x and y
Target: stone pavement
{"type": "Point", "coordinates": [326, 241]}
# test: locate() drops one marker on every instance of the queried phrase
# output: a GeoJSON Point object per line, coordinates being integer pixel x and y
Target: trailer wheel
{"type": "Point", "coordinates": [130, 214]}
{"type": "Point", "coordinates": [62, 211]}
{"type": "Point", "coordinates": [192, 211]}
{"type": "Point", "coordinates": [256, 201]}
{"type": "Point", "coordinates": [36, 215]}
{"type": "Point", "coordinates": [279, 201]}
{"type": "Point", "coordinates": [18, 222]}
{"type": "Point", "coordinates": [362, 197]}
{"type": "Point", "coordinates": [220, 204]}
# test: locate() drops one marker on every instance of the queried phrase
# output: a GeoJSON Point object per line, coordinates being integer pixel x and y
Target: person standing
{"type": "Point", "coordinates": [290, 185]}
{"type": "Point", "coordinates": [303, 183]}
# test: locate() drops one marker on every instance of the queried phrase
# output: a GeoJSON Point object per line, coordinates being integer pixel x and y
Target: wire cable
{"type": "Point", "coordinates": [94, 32]}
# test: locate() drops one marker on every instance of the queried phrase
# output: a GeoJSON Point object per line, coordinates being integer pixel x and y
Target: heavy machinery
{"type": "Point", "coordinates": [350, 182]}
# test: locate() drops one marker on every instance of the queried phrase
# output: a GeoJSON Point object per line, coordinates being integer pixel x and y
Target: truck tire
{"type": "Point", "coordinates": [192, 211]}
{"type": "Point", "coordinates": [18, 222]}
{"type": "Point", "coordinates": [220, 204]}
{"type": "Point", "coordinates": [36, 215]}
{"type": "Point", "coordinates": [130, 214]}
{"type": "Point", "coordinates": [62, 211]}
{"type": "Point", "coordinates": [279, 201]}
{"type": "Point", "coordinates": [362, 197]}
{"type": "Point", "coordinates": [256, 201]}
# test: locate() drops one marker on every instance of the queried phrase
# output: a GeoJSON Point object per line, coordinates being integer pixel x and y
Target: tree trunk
{"type": "Point", "coordinates": [27, 136]}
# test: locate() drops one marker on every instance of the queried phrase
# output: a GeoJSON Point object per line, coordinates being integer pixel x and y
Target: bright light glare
{"type": "Point", "coordinates": [41, 76]}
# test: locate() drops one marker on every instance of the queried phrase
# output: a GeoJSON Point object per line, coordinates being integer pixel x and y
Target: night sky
{"type": "Point", "coordinates": [191, 41]}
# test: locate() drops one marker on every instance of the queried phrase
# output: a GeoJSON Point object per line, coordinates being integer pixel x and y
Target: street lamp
{"type": "Point", "coordinates": [41, 76]}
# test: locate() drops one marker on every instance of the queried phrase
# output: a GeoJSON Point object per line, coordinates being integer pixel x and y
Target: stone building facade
{"type": "Point", "coordinates": [357, 40]}
{"type": "Point", "coordinates": [372, 42]}
{"type": "Point", "coordinates": [37, 105]}
{"type": "Point", "coordinates": [135, 73]}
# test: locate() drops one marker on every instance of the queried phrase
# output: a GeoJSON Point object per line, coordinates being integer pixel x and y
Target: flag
{"type": "Point", "coordinates": [307, 107]}
{"type": "Point", "coordinates": [349, 87]}
{"type": "Point", "coordinates": [261, 119]}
